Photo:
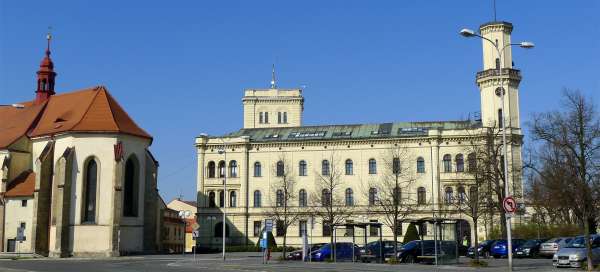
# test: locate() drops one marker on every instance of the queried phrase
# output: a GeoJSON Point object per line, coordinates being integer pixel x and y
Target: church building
{"type": "Point", "coordinates": [274, 143]}
{"type": "Point", "coordinates": [77, 176]}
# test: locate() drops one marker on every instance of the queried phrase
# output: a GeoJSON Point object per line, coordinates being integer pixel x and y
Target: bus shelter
{"type": "Point", "coordinates": [353, 226]}
{"type": "Point", "coordinates": [445, 247]}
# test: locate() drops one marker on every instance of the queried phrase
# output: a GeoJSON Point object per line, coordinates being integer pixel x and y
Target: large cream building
{"type": "Point", "coordinates": [273, 130]}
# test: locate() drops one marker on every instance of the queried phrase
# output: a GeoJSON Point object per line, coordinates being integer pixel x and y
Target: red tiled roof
{"type": "Point", "coordinates": [87, 110]}
{"type": "Point", "coordinates": [22, 185]}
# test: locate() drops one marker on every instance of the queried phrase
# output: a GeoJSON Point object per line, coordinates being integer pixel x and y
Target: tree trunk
{"type": "Point", "coordinates": [476, 244]}
{"type": "Point", "coordinates": [284, 243]}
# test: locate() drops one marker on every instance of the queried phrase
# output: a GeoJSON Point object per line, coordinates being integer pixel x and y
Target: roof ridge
{"type": "Point", "coordinates": [88, 108]}
{"type": "Point", "coordinates": [112, 113]}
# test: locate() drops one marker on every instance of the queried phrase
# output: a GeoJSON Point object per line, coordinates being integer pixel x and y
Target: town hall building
{"type": "Point", "coordinates": [252, 160]}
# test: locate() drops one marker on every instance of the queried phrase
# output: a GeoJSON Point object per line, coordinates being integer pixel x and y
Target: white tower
{"type": "Point", "coordinates": [489, 79]}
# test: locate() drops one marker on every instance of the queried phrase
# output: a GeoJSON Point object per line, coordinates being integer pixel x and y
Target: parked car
{"type": "Point", "coordinates": [343, 251]}
{"type": "Point", "coordinates": [575, 253]}
{"type": "Point", "coordinates": [552, 246]}
{"type": "Point", "coordinates": [500, 247]}
{"type": "Point", "coordinates": [424, 251]}
{"type": "Point", "coordinates": [297, 254]}
{"type": "Point", "coordinates": [371, 251]}
{"type": "Point", "coordinates": [531, 248]}
{"type": "Point", "coordinates": [483, 248]}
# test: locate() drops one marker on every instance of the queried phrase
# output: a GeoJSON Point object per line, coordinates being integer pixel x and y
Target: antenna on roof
{"type": "Point", "coordinates": [273, 86]}
{"type": "Point", "coordinates": [48, 37]}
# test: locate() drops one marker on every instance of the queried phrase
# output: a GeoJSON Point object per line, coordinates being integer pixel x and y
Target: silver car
{"type": "Point", "coordinates": [575, 253]}
{"type": "Point", "coordinates": [552, 246]}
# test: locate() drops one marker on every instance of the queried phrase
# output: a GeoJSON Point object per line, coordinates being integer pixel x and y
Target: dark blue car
{"type": "Point", "coordinates": [500, 247]}
{"type": "Point", "coordinates": [343, 252]}
{"type": "Point", "coordinates": [372, 251]}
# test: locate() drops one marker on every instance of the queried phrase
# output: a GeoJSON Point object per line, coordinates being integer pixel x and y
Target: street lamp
{"type": "Point", "coordinates": [224, 152]}
{"type": "Point", "coordinates": [469, 33]}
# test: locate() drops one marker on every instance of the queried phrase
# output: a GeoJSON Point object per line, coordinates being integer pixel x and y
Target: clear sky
{"type": "Point", "coordinates": [179, 67]}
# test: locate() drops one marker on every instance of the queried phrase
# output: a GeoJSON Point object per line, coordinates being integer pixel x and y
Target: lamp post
{"type": "Point", "coordinates": [224, 152]}
{"type": "Point", "coordinates": [468, 33]}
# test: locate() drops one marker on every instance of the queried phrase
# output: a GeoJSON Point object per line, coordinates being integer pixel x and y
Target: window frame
{"type": "Point", "coordinates": [372, 166]}
{"type": "Point", "coordinates": [349, 167]}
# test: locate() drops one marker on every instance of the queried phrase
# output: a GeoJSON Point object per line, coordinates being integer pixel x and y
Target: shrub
{"type": "Point", "coordinates": [393, 260]}
{"type": "Point", "coordinates": [411, 233]}
{"type": "Point", "coordinates": [476, 263]}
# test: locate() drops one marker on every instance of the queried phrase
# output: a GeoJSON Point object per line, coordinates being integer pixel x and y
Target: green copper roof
{"type": "Point", "coordinates": [360, 131]}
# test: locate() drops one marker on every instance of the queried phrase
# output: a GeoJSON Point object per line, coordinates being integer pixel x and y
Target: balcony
{"type": "Point", "coordinates": [511, 73]}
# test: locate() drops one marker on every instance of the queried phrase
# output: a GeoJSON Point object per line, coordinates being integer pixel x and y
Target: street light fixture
{"type": "Point", "coordinates": [468, 33]}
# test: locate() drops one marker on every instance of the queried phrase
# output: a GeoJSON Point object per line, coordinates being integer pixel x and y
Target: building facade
{"type": "Point", "coordinates": [190, 208]}
{"type": "Point", "coordinates": [76, 172]}
{"type": "Point", "coordinates": [436, 154]}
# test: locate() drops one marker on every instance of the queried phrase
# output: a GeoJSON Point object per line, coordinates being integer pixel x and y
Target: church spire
{"type": "Point", "coordinates": [45, 76]}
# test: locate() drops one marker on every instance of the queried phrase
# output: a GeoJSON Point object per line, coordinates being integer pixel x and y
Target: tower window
{"type": "Point", "coordinates": [500, 118]}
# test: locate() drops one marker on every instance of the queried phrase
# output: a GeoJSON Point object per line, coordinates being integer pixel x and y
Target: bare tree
{"type": "Point", "coordinates": [575, 134]}
{"type": "Point", "coordinates": [284, 212]}
{"type": "Point", "coordinates": [385, 192]}
{"type": "Point", "coordinates": [327, 198]}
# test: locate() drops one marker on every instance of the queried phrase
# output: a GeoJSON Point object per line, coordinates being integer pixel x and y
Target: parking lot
{"type": "Point", "coordinates": [250, 261]}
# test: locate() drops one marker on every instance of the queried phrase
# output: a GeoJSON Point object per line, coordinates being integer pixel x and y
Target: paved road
{"type": "Point", "coordinates": [242, 262]}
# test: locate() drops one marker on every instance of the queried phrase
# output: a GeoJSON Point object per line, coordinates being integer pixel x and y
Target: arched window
{"type": "Point", "coordinates": [397, 196]}
{"type": "Point", "coordinates": [222, 169]}
{"type": "Point", "coordinates": [421, 197]}
{"type": "Point", "coordinates": [372, 166]}
{"type": "Point", "coordinates": [280, 169]}
{"type": "Point", "coordinates": [420, 165]}
{"type": "Point", "coordinates": [302, 168]}
{"type": "Point", "coordinates": [302, 198]}
{"type": "Point", "coordinates": [460, 163]}
{"type": "Point", "coordinates": [211, 169]}
{"type": "Point", "coordinates": [396, 169]}
{"type": "Point", "coordinates": [232, 199]}
{"type": "Point", "coordinates": [257, 202]}
{"type": "Point", "coordinates": [219, 230]}
{"type": "Point", "coordinates": [372, 196]}
{"type": "Point", "coordinates": [325, 168]}
{"type": "Point", "coordinates": [447, 163]}
{"type": "Point", "coordinates": [221, 199]}
{"type": "Point", "coordinates": [233, 169]}
{"type": "Point", "coordinates": [473, 196]}
{"type": "Point", "coordinates": [349, 197]}
{"type": "Point", "coordinates": [130, 188]}
{"type": "Point", "coordinates": [472, 161]}
{"type": "Point", "coordinates": [448, 197]}
{"type": "Point", "coordinates": [349, 167]}
{"type": "Point", "coordinates": [257, 169]}
{"type": "Point", "coordinates": [279, 198]}
{"type": "Point", "coordinates": [89, 195]}
{"type": "Point", "coordinates": [211, 200]}
{"type": "Point", "coordinates": [461, 194]}
{"type": "Point", "coordinates": [325, 197]}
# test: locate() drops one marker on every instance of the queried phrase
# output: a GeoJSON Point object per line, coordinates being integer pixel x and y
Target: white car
{"type": "Point", "coordinates": [552, 246]}
{"type": "Point", "coordinates": [575, 253]}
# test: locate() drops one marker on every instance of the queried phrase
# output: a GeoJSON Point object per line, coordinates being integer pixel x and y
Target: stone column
{"type": "Point", "coordinates": [115, 220]}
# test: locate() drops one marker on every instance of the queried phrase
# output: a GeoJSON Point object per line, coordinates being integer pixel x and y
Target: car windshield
{"type": "Point", "coordinates": [578, 242]}
{"type": "Point", "coordinates": [530, 243]}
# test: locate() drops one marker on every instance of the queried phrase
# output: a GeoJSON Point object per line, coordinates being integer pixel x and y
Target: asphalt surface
{"type": "Point", "coordinates": [245, 262]}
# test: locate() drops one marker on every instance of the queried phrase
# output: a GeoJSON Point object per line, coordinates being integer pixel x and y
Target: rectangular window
{"type": "Point", "coordinates": [373, 231]}
{"type": "Point", "coordinates": [257, 227]}
{"type": "Point", "coordinates": [266, 117]}
{"type": "Point", "coordinates": [500, 118]}
{"type": "Point", "coordinates": [302, 228]}
{"type": "Point", "coordinates": [326, 228]}
{"type": "Point", "coordinates": [24, 203]}
{"type": "Point", "coordinates": [279, 121]}
{"type": "Point", "coordinates": [285, 117]}
{"type": "Point", "coordinates": [260, 118]}
{"type": "Point", "coordinates": [349, 230]}
{"type": "Point", "coordinates": [423, 229]}
{"type": "Point", "coordinates": [280, 231]}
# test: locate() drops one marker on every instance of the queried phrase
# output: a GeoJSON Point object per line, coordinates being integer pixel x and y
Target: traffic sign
{"type": "Point", "coordinates": [195, 234]}
{"type": "Point", "coordinates": [20, 234]}
{"type": "Point", "coordinates": [268, 225]}
{"type": "Point", "coordinates": [509, 204]}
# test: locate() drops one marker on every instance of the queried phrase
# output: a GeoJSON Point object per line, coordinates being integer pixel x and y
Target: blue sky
{"type": "Point", "coordinates": [179, 67]}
